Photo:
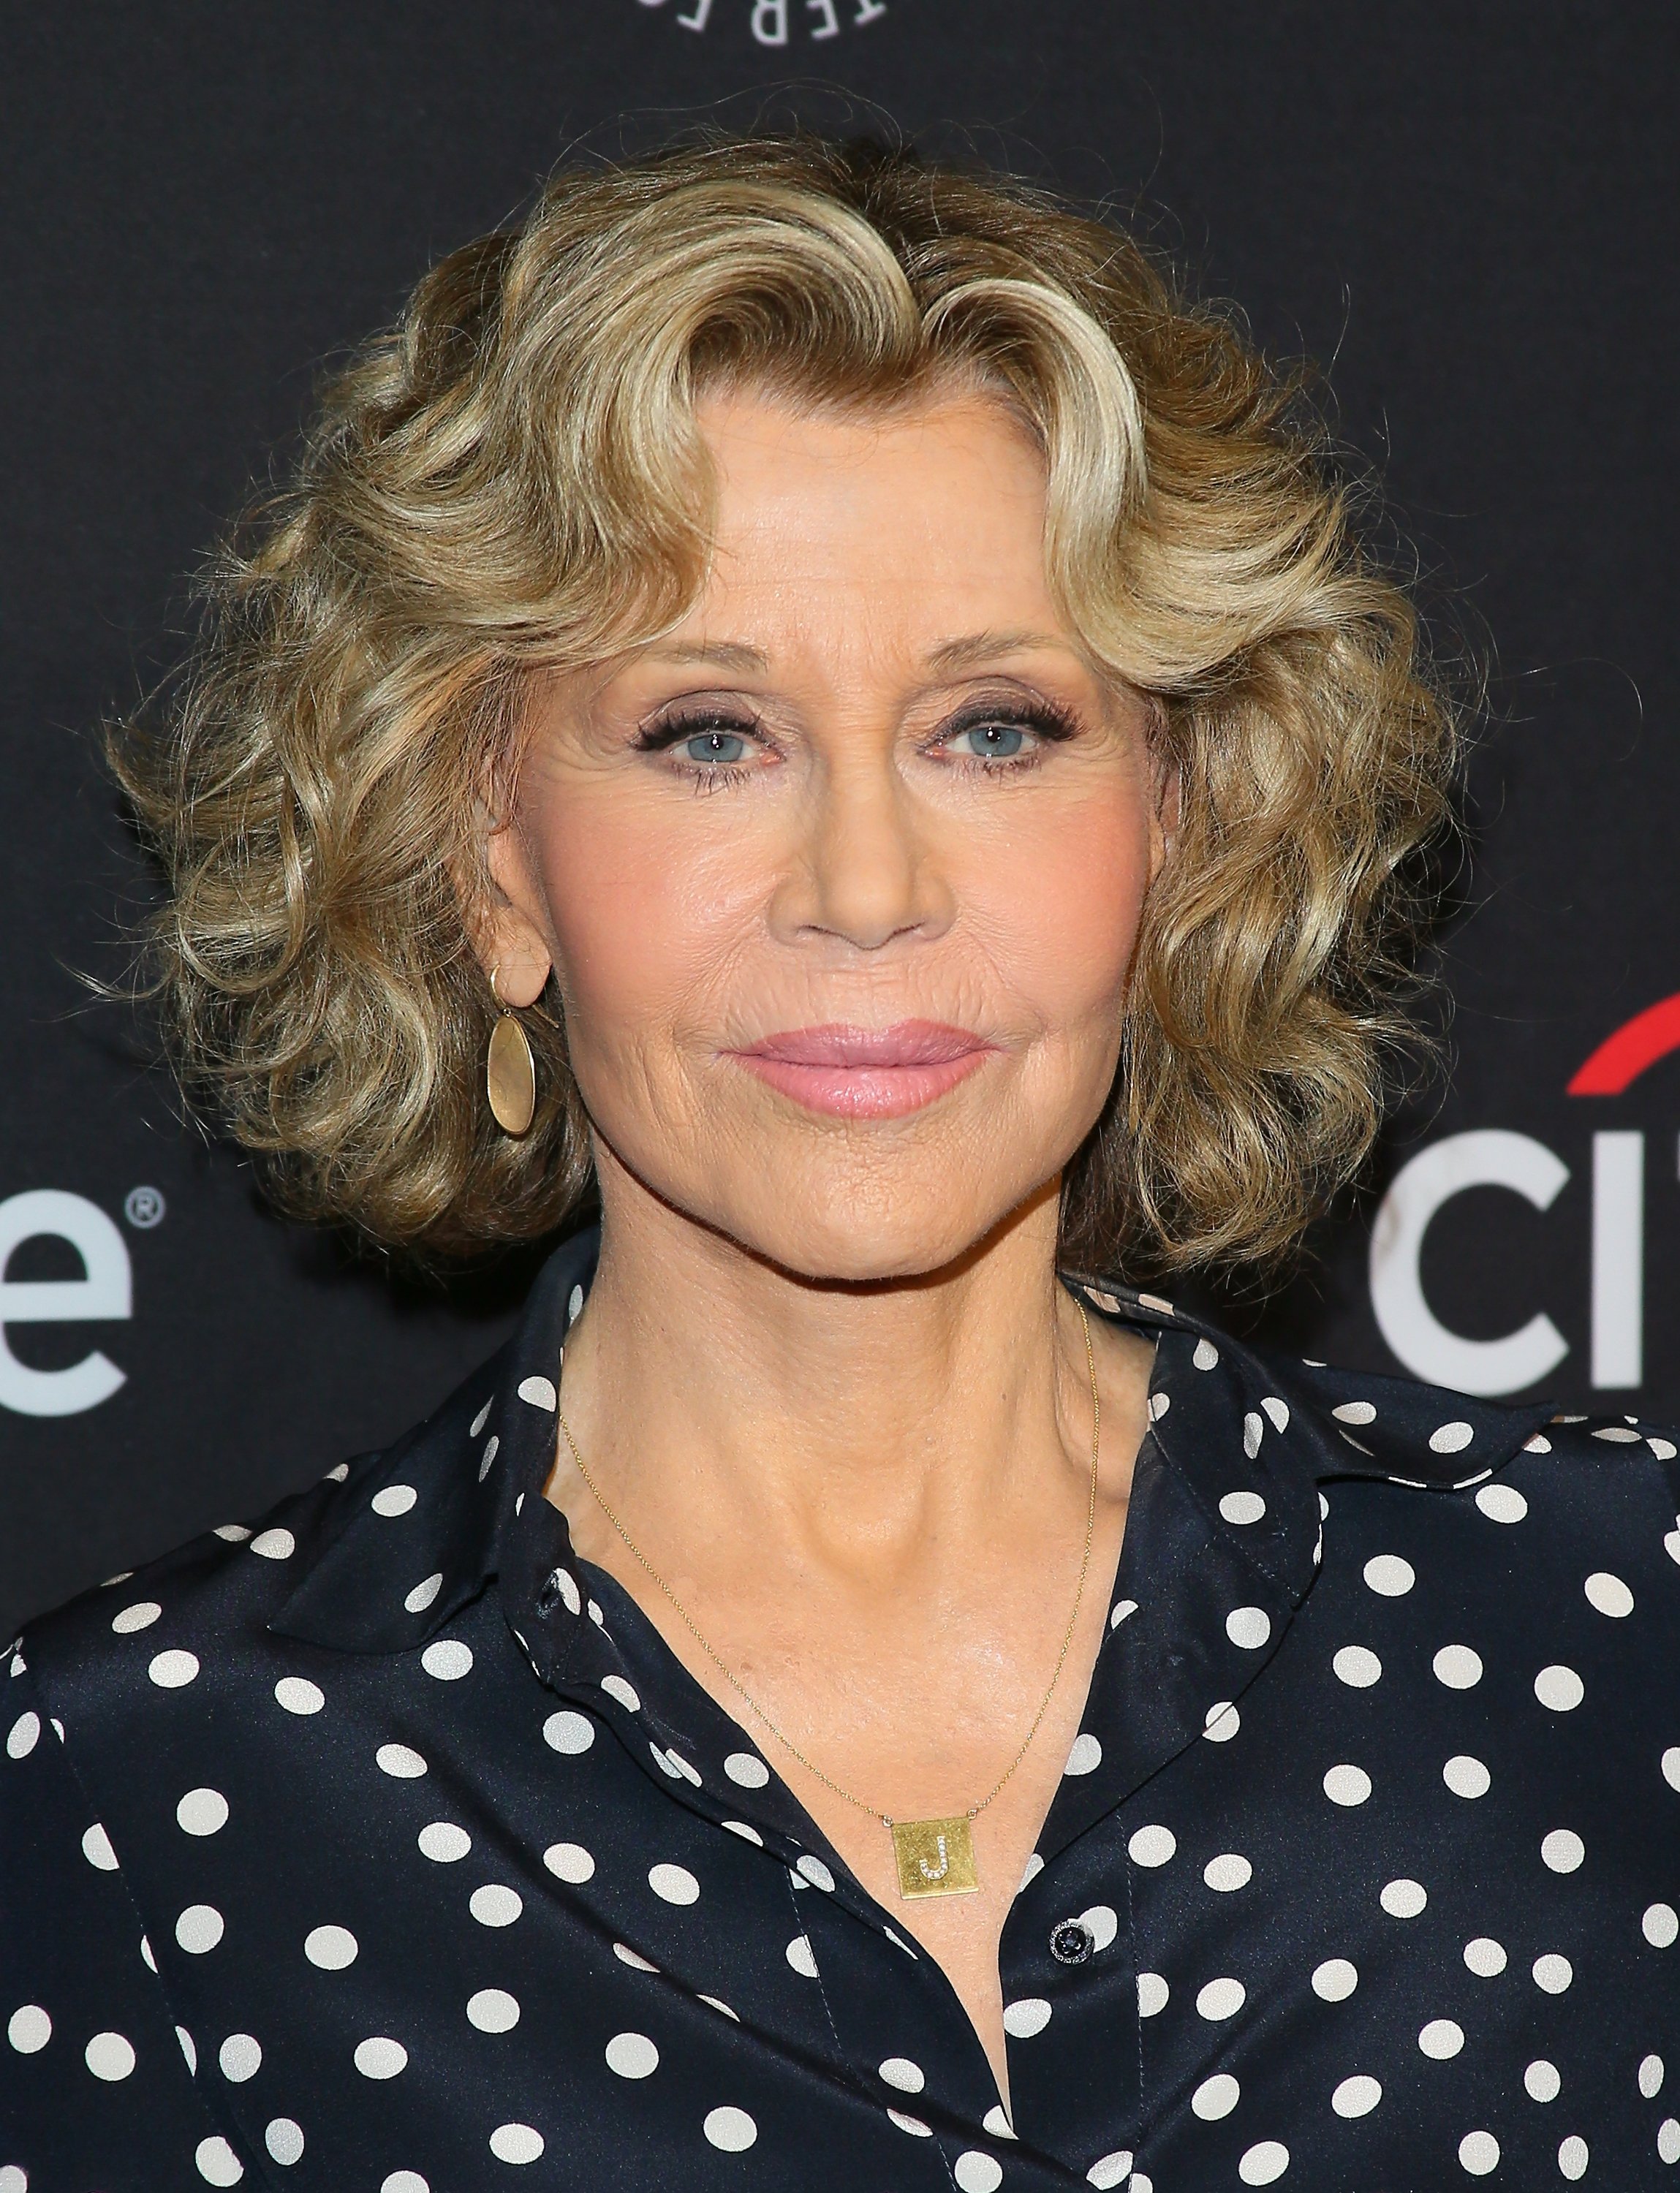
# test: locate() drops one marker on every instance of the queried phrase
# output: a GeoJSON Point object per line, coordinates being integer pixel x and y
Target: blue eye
{"type": "Point", "coordinates": [719, 749]}
{"type": "Point", "coordinates": [994, 742]}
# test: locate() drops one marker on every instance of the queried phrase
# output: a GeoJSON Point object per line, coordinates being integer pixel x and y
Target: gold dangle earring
{"type": "Point", "coordinates": [510, 1069]}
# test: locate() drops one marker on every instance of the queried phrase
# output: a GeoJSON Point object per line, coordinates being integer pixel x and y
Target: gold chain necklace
{"type": "Point", "coordinates": [934, 1857]}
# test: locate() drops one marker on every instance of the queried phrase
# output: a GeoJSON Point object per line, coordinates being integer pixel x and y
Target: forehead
{"type": "Point", "coordinates": [918, 506]}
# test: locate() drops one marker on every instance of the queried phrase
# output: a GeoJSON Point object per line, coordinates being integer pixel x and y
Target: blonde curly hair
{"type": "Point", "coordinates": [511, 481]}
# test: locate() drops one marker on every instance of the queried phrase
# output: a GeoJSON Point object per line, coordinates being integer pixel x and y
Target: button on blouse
{"type": "Point", "coordinates": [381, 1844]}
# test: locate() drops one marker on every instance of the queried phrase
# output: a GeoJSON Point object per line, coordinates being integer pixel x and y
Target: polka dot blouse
{"type": "Point", "coordinates": [380, 1844]}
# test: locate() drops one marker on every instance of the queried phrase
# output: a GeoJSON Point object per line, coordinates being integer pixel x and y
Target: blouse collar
{"type": "Point", "coordinates": [1223, 1542]}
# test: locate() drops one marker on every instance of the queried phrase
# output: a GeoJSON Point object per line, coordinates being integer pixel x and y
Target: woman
{"type": "Point", "coordinates": [863, 707]}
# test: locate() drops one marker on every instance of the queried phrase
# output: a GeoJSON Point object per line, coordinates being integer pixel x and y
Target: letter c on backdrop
{"type": "Point", "coordinates": [1485, 1157]}
{"type": "Point", "coordinates": [106, 1292]}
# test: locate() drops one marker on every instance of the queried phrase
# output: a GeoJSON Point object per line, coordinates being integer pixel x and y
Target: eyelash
{"type": "Point", "coordinates": [1050, 723]}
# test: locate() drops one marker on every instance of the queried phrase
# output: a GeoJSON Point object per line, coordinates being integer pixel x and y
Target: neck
{"type": "Point", "coordinates": [720, 1401]}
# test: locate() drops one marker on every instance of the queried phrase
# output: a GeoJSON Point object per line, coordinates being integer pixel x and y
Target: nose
{"type": "Point", "coordinates": [866, 872]}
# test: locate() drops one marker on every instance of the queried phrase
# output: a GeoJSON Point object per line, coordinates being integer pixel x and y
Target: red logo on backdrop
{"type": "Point", "coordinates": [1495, 1157]}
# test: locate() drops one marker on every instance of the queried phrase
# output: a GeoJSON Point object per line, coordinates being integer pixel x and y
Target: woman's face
{"type": "Point", "coordinates": [842, 877]}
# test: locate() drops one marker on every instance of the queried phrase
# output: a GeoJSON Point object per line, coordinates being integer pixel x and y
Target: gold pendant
{"type": "Point", "coordinates": [936, 1857]}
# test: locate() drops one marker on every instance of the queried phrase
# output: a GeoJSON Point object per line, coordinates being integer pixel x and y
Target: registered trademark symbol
{"type": "Point", "coordinates": [144, 1207]}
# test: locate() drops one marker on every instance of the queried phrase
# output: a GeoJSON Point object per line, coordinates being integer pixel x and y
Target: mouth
{"type": "Point", "coordinates": [866, 1074]}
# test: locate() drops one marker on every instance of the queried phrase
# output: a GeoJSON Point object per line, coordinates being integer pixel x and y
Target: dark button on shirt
{"type": "Point", "coordinates": [383, 1846]}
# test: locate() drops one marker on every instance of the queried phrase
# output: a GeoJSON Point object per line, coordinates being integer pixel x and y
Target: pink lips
{"type": "Point", "coordinates": [866, 1074]}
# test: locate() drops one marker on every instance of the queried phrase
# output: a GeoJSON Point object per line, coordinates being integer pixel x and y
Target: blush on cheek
{"type": "Point", "coordinates": [1073, 908]}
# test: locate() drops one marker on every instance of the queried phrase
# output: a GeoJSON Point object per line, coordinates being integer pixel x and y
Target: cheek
{"type": "Point", "coordinates": [1066, 896]}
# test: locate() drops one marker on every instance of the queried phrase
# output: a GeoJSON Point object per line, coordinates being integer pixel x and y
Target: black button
{"type": "Point", "coordinates": [549, 1595]}
{"type": "Point", "coordinates": [1072, 1943]}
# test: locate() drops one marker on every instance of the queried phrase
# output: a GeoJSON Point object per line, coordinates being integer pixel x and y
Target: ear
{"type": "Point", "coordinates": [508, 929]}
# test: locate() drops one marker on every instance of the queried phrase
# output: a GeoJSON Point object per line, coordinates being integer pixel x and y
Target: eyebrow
{"type": "Point", "coordinates": [950, 654]}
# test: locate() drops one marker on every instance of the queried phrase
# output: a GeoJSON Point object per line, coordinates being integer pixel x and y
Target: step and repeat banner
{"type": "Point", "coordinates": [1465, 216]}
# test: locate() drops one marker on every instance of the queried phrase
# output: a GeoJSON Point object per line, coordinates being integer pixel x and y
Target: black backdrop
{"type": "Point", "coordinates": [1469, 211]}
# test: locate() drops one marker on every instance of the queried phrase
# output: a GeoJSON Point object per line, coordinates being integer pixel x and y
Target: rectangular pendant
{"type": "Point", "coordinates": [936, 1857]}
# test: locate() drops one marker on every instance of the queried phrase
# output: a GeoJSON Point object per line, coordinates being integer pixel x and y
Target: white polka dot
{"type": "Point", "coordinates": [1670, 1766]}
{"type": "Point", "coordinates": [1441, 2039]}
{"type": "Point", "coordinates": [1205, 1357]}
{"type": "Point", "coordinates": [1249, 1627]}
{"type": "Point", "coordinates": [1152, 1846]}
{"type": "Point", "coordinates": [1619, 1435]}
{"type": "Point", "coordinates": [1122, 1611]}
{"type": "Point", "coordinates": [1101, 1922]}
{"type": "Point", "coordinates": [13, 2179]}
{"type": "Point", "coordinates": [1347, 1785]}
{"type": "Point", "coordinates": [1668, 2140]}
{"type": "Point", "coordinates": [240, 2057]}
{"type": "Point", "coordinates": [492, 1448]}
{"type": "Point", "coordinates": [1229, 1870]}
{"type": "Point", "coordinates": [1277, 1411]}
{"type": "Point", "coordinates": [1479, 2153]}
{"type": "Point", "coordinates": [447, 1658]}
{"type": "Point", "coordinates": [188, 2049]}
{"type": "Point", "coordinates": [1451, 1439]}
{"type": "Point", "coordinates": [518, 2143]}
{"type": "Point", "coordinates": [1216, 2097]}
{"type": "Point", "coordinates": [1664, 1450]}
{"type": "Point", "coordinates": [1158, 1404]}
{"type": "Point", "coordinates": [444, 1842]}
{"type": "Point", "coordinates": [1559, 1688]}
{"type": "Point", "coordinates": [29, 2029]}
{"type": "Point", "coordinates": [173, 1669]}
{"type": "Point", "coordinates": [494, 1905]}
{"type": "Point", "coordinates": [673, 1884]}
{"type": "Point", "coordinates": [802, 1957]}
{"type": "Point", "coordinates": [201, 1812]}
{"type": "Point", "coordinates": [394, 1500]}
{"type": "Point", "coordinates": [1562, 1851]}
{"type": "Point", "coordinates": [1221, 1722]}
{"type": "Point", "coordinates": [110, 2057]}
{"type": "Point", "coordinates": [97, 1850]}
{"type": "Point", "coordinates": [1466, 1776]}
{"type": "Point", "coordinates": [1572, 2157]}
{"type": "Point", "coordinates": [1027, 2015]}
{"type": "Point", "coordinates": [145, 1956]}
{"type": "Point", "coordinates": [1357, 1667]}
{"type": "Point", "coordinates": [140, 1615]}
{"type": "Point", "coordinates": [1541, 2081]}
{"type": "Point", "coordinates": [899, 2072]}
{"type": "Point", "coordinates": [275, 1545]}
{"type": "Point", "coordinates": [574, 1306]}
{"type": "Point", "coordinates": [283, 2138]}
{"type": "Point", "coordinates": [915, 2126]}
{"type": "Point", "coordinates": [747, 1833]}
{"type": "Point", "coordinates": [976, 2172]}
{"type": "Point", "coordinates": [1253, 1431]}
{"type": "Point", "coordinates": [1152, 1994]}
{"type": "Point", "coordinates": [1086, 1757]}
{"type": "Point", "coordinates": [379, 2057]}
{"type": "Point", "coordinates": [399, 1759]}
{"type": "Point", "coordinates": [730, 2129]}
{"type": "Point", "coordinates": [1389, 1576]}
{"type": "Point", "coordinates": [568, 1732]}
{"type": "Point", "coordinates": [746, 1770]}
{"type": "Point", "coordinates": [298, 1695]}
{"type": "Point", "coordinates": [1242, 1506]}
{"type": "Point", "coordinates": [1335, 1979]}
{"type": "Point", "coordinates": [1457, 1667]}
{"type": "Point", "coordinates": [1265, 2163]}
{"type": "Point", "coordinates": [337, 1473]}
{"type": "Point", "coordinates": [199, 1928]}
{"type": "Point", "coordinates": [1404, 1899]}
{"type": "Point", "coordinates": [539, 1392]}
{"type": "Point", "coordinates": [1110, 2170]}
{"type": "Point", "coordinates": [418, 1600]}
{"type": "Point", "coordinates": [1608, 1594]}
{"type": "Point", "coordinates": [330, 1948]}
{"type": "Point", "coordinates": [1220, 1999]}
{"type": "Point", "coordinates": [1354, 1413]}
{"type": "Point", "coordinates": [1357, 2098]}
{"type": "Point", "coordinates": [23, 1735]}
{"type": "Point", "coordinates": [1660, 1926]}
{"type": "Point", "coordinates": [569, 1861]}
{"type": "Point", "coordinates": [626, 1955]}
{"type": "Point", "coordinates": [813, 1870]}
{"type": "Point", "coordinates": [1553, 1973]}
{"type": "Point", "coordinates": [1501, 1504]}
{"type": "Point", "coordinates": [218, 2165]}
{"type": "Point", "coordinates": [493, 2010]}
{"type": "Point", "coordinates": [404, 2181]}
{"type": "Point", "coordinates": [1030, 1872]}
{"type": "Point", "coordinates": [615, 1687]}
{"type": "Point", "coordinates": [1650, 2076]}
{"type": "Point", "coordinates": [632, 2056]}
